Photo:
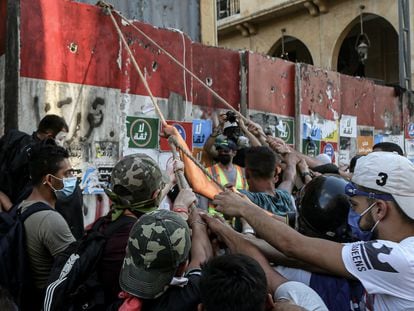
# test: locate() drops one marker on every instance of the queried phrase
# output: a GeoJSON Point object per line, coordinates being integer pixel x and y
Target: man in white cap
{"type": "Point", "coordinates": [382, 197]}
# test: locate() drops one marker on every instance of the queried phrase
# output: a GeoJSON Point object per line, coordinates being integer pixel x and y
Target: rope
{"type": "Point", "coordinates": [181, 181]}
{"type": "Point", "coordinates": [221, 99]}
{"type": "Point", "coordinates": [172, 140]}
{"type": "Point", "coordinates": [108, 9]}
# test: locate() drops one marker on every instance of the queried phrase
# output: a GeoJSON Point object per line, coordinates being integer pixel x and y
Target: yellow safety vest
{"type": "Point", "coordinates": [218, 173]}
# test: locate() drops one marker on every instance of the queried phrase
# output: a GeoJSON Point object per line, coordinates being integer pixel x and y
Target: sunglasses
{"type": "Point", "coordinates": [351, 190]}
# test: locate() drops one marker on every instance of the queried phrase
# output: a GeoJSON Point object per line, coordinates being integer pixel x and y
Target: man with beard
{"type": "Point", "coordinates": [225, 172]}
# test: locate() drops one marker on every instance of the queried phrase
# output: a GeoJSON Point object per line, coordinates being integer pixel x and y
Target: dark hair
{"type": "Point", "coordinates": [45, 159]}
{"type": "Point", "coordinates": [353, 162]}
{"type": "Point", "coordinates": [388, 147]}
{"type": "Point", "coordinates": [233, 282]}
{"type": "Point", "coordinates": [261, 161]}
{"type": "Point", "coordinates": [53, 123]}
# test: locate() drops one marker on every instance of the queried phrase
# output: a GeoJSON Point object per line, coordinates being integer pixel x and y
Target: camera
{"type": "Point", "coordinates": [231, 116]}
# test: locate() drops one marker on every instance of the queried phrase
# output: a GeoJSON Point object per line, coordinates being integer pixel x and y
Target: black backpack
{"type": "Point", "coordinates": [74, 283]}
{"type": "Point", "coordinates": [15, 273]}
{"type": "Point", "coordinates": [14, 174]}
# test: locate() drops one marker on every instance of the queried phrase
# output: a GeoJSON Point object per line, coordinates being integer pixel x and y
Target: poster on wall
{"type": "Point", "coordinates": [348, 126]}
{"type": "Point", "coordinates": [311, 147]}
{"type": "Point", "coordinates": [347, 149]}
{"type": "Point", "coordinates": [186, 131]}
{"type": "Point", "coordinates": [409, 130]}
{"type": "Point", "coordinates": [285, 130]}
{"type": "Point", "coordinates": [311, 128]}
{"type": "Point", "coordinates": [365, 140]}
{"type": "Point", "coordinates": [201, 132]}
{"type": "Point", "coordinates": [142, 132]}
{"type": "Point", "coordinates": [318, 128]}
{"type": "Point", "coordinates": [329, 149]}
{"type": "Point", "coordinates": [365, 144]}
{"type": "Point", "coordinates": [409, 149]}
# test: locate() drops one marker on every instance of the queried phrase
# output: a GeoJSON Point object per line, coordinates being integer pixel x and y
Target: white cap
{"type": "Point", "coordinates": [390, 173]}
{"type": "Point", "coordinates": [324, 158]}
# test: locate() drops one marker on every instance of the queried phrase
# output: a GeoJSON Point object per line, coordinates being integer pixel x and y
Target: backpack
{"type": "Point", "coordinates": [14, 173]}
{"type": "Point", "coordinates": [74, 283]}
{"type": "Point", "coordinates": [15, 273]}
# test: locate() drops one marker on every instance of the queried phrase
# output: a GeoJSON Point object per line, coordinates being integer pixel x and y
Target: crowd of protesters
{"type": "Point", "coordinates": [289, 232]}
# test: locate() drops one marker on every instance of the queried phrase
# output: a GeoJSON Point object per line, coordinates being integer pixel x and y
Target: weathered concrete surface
{"type": "Point", "coordinates": [179, 14]}
{"type": "Point", "coordinates": [271, 85]}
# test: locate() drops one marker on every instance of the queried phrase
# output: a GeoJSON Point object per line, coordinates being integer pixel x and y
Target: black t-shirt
{"type": "Point", "coordinates": [176, 298]}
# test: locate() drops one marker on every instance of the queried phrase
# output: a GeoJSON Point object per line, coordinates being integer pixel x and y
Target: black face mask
{"type": "Point", "coordinates": [224, 158]}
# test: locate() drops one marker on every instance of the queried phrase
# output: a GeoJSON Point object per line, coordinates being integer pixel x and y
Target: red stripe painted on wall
{"type": "Point", "coordinates": [162, 74]}
{"type": "Point", "coordinates": [271, 84]}
{"type": "Point", "coordinates": [68, 42]}
{"type": "Point", "coordinates": [221, 68]}
{"type": "Point", "coordinates": [357, 99]}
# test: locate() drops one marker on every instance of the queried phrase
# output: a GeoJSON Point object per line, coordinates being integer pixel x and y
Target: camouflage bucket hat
{"type": "Point", "coordinates": [136, 177]}
{"type": "Point", "coordinates": [158, 242]}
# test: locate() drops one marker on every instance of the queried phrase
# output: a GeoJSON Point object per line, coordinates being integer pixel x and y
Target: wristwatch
{"type": "Point", "coordinates": [303, 174]}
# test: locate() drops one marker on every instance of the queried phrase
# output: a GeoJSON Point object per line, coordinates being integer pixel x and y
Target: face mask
{"type": "Point", "coordinates": [69, 185]}
{"type": "Point", "coordinates": [224, 159]}
{"type": "Point", "coordinates": [353, 221]}
{"type": "Point", "coordinates": [60, 138]}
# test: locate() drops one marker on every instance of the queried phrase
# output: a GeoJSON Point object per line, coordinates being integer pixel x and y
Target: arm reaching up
{"type": "Point", "coordinates": [195, 176]}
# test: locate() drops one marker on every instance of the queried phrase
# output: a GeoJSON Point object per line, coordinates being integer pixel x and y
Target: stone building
{"type": "Point", "coordinates": [323, 33]}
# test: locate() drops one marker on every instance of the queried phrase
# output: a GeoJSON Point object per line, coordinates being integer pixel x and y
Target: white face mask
{"type": "Point", "coordinates": [60, 138]}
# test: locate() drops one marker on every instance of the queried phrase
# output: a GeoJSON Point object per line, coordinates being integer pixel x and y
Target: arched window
{"type": "Point", "coordinates": [295, 50]}
{"type": "Point", "coordinates": [381, 64]}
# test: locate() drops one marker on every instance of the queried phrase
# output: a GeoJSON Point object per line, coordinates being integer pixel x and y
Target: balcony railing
{"type": "Point", "coordinates": [226, 8]}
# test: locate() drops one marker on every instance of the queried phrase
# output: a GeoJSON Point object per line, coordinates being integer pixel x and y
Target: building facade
{"type": "Point", "coordinates": [319, 32]}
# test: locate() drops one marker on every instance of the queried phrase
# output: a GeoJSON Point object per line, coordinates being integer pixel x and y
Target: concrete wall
{"type": "Point", "coordinates": [179, 14]}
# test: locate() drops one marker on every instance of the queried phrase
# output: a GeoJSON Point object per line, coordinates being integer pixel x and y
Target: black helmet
{"type": "Point", "coordinates": [323, 209]}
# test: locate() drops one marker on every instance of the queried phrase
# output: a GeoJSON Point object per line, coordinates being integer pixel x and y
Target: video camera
{"type": "Point", "coordinates": [231, 117]}
{"type": "Point", "coordinates": [232, 130]}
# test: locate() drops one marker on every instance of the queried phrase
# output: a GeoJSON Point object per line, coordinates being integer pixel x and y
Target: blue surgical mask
{"type": "Point", "coordinates": [69, 186]}
{"type": "Point", "coordinates": [353, 221]}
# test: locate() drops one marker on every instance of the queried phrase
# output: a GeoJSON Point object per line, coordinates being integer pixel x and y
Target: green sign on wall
{"type": "Point", "coordinates": [142, 132]}
{"type": "Point", "coordinates": [284, 130]}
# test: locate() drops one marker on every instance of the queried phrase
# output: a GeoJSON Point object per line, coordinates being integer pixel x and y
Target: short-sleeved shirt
{"type": "Point", "coordinates": [279, 204]}
{"type": "Point", "coordinates": [385, 269]}
{"type": "Point", "coordinates": [336, 292]}
{"type": "Point", "coordinates": [301, 295]}
{"type": "Point", "coordinates": [47, 235]}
